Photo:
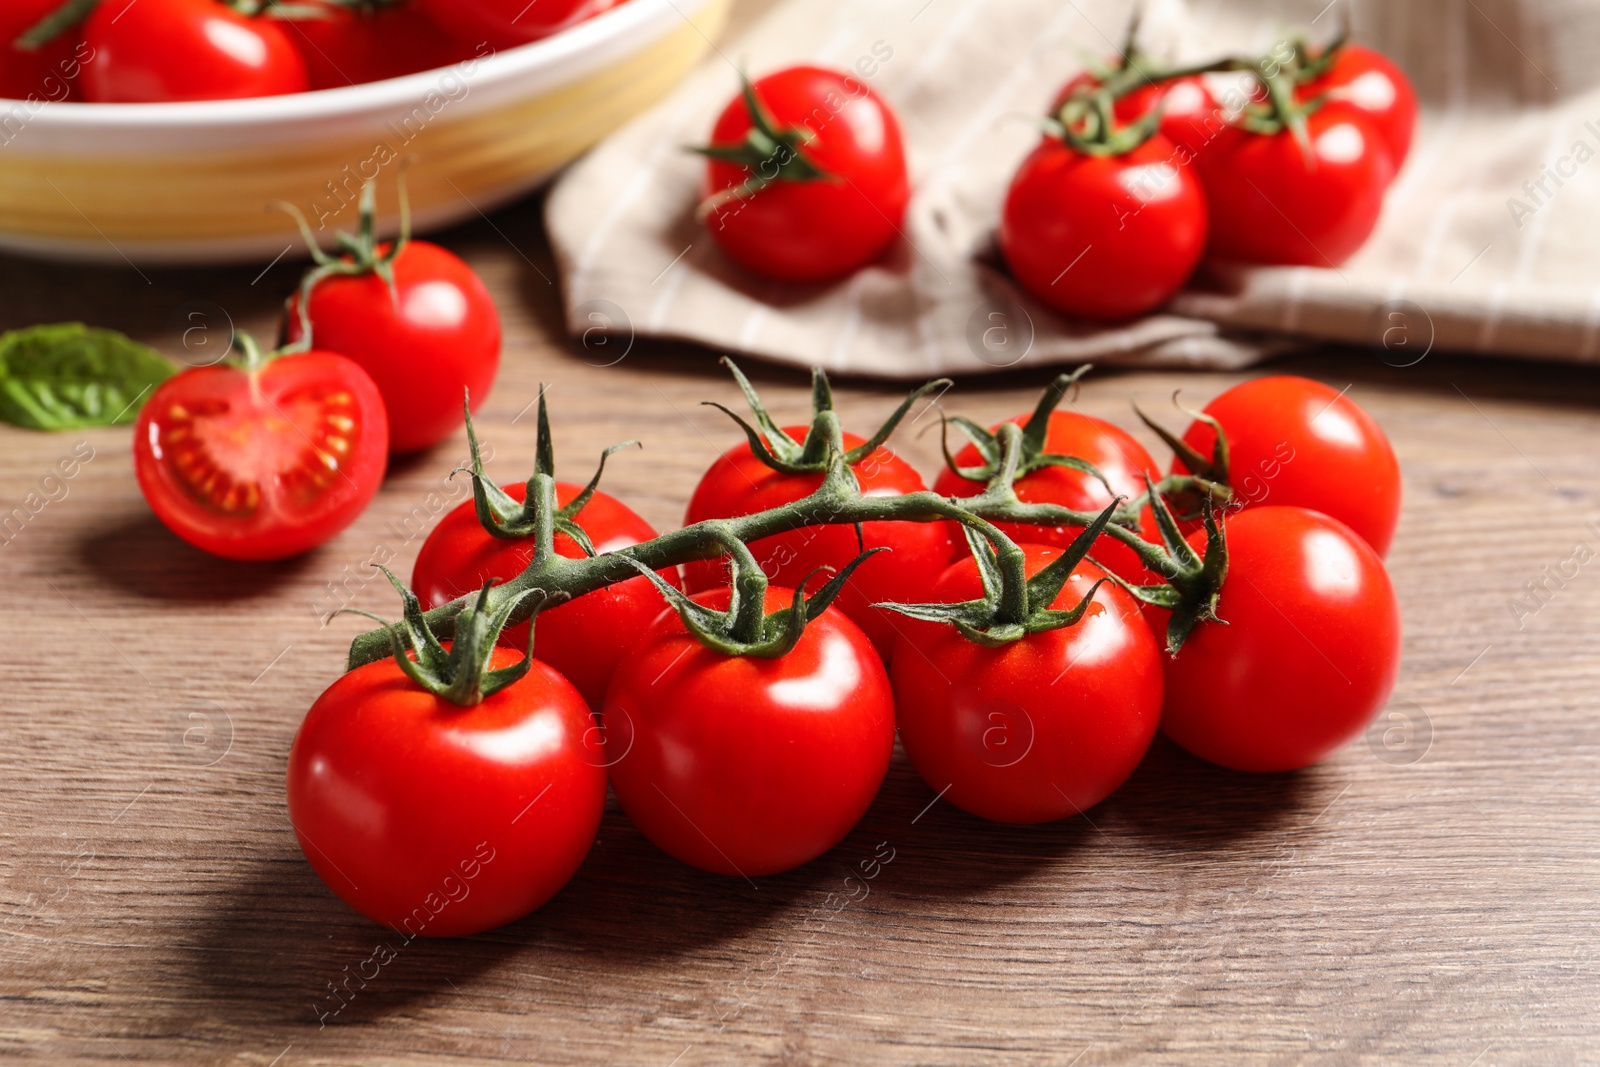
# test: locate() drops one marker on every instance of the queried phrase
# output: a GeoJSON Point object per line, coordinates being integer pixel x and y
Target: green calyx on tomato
{"type": "Point", "coordinates": [1312, 63]}
{"type": "Point", "coordinates": [359, 253]}
{"type": "Point", "coordinates": [1210, 481]}
{"type": "Point", "coordinates": [745, 628]}
{"type": "Point", "coordinates": [460, 673]}
{"type": "Point", "coordinates": [536, 515]}
{"type": "Point", "coordinates": [825, 439]}
{"type": "Point", "coordinates": [771, 153]}
{"type": "Point", "coordinates": [1031, 455]}
{"type": "Point", "coordinates": [1011, 609]}
{"type": "Point", "coordinates": [1213, 468]}
{"type": "Point", "coordinates": [1087, 120]}
{"type": "Point", "coordinates": [1193, 580]}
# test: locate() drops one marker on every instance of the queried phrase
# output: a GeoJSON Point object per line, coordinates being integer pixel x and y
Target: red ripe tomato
{"type": "Point", "coordinates": [155, 51]}
{"type": "Point", "coordinates": [344, 45]}
{"type": "Point", "coordinates": [1123, 461]}
{"type": "Point", "coordinates": [508, 23]}
{"type": "Point", "coordinates": [265, 463]}
{"type": "Point", "coordinates": [1039, 729]}
{"type": "Point", "coordinates": [438, 334]}
{"type": "Point", "coordinates": [1293, 441]}
{"type": "Point", "coordinates": [584, 639]}
{"type": "Point", "coordinates": [1272, 202]}
{"type": "Point", "coordinates": [740, 484]}
{"type": "Point", "coordinates": [1309, 653]}
{"type": "Point", "coordinates": [1370, 81]}
{"type": "Point", "coordinates": [1103, 237]}
{"type": "Point", "coordinates": [45, 73]}
{"type": "Point", "coordinates": [813, 230]}
{"type": "Point", "coordinates": [743, 765]}
{"type": "Point", "coordinates": [439, 820]}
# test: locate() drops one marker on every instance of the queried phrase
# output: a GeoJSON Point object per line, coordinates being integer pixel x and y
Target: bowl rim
{"type": "Point", "coordinates": [548, 56]}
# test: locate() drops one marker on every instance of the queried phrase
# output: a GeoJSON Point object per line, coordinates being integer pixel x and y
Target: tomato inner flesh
{"type": "Point", "coordinates": [231, 453]}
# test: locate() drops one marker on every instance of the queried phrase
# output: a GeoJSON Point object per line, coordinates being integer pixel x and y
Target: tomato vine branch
{"type": "Point", "coordinates": [838, 500]}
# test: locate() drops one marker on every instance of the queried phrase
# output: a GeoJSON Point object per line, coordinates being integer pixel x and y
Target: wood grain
{"type": "Point", "coordinates": [1430, 904]}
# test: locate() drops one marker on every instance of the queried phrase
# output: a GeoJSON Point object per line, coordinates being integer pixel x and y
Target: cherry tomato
{"type": "Point", "coordinates": [508, 23]}
{"type": "Point", "coordinates": [1307, 657]}
{"type": "Point", "coordinates": [1272, 202]}
{"type": "Point", "coordinates": [344, 45]}
{"type": "Point", "coordinates": [813, 230]}
{"type": "Point", "coordinates": [45, 73]}
{"type": "Point", "coordinates": [584, 639]}
{"type": "Point", "coordinates": [1103, 237]}
{"type": "Point", "coordinates": [262, 464]}
{"type": "Point", "coordinates": [1123, 461]}
{"type": "Point", "coordinates": [1039, 729]}
{"type": "Point", "coordinates": [442, 820]}
{"type": "Point", "coordinates": [1370, 81]}
{"type": "Point", "coordinates": [739, 484]}
{"type": "Point", "coordinates": [155, 51]}
{"type": "Point", "coordinates": [437, 334]}
{"type": "Point", "coordinates": [1297, 442]}
{"type": "Point", "coordinates": [742, 765]}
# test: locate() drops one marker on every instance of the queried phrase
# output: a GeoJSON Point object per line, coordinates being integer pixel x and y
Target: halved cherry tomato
{"type": "Point", "coordinates": [820, 229]}
{"type": "Point", "coordinates": [1293, 441]}
{"type": "Point", "coordinates": [439, 820]}
{"type": "Point", "coordinates": [153, 51]}
{"type": "Point", "coordinates": [262, 464]}
{"type": "Point", "coordinates": [1038, 729]}
{"type": "Point", "coordinates": [738, 484]}
{"type": "Point", "coordinates": [1103, 237]}
{"type": "Point", "coordinates": [1274, 202]}
{"type": "Point", "coordinates": [1371, 82]}
{"type": "Point", "coordinates": [584, 639]}
{"type": "Point", "coordinates": [743, 765]}
{"type": "Point", "coordinates": [1122, 459]}
{"type": "Point", "coordinates": [436, 334]}
{"type": "Point", "coordinates": [1307, 652]}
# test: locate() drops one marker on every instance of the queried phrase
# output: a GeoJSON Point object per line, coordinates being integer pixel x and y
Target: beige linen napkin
{"type": "Point", "coordinates": [1487, 242]}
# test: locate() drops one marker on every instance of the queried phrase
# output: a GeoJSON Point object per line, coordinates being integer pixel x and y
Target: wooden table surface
{"type": "Point", "coordinates": [1428, 895]}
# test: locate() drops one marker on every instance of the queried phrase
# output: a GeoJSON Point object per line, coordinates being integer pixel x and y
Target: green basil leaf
{"type": "Point", "coordinates": [68, 375]}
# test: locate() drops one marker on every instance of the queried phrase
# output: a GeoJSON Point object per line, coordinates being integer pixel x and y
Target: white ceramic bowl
{"type": "Point", "coordinates": [186, 183]}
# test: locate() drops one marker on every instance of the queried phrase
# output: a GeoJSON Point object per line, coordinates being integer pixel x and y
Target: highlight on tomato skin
{"type": "Point", "coordinates": [1371, 82]}
{"type": "Point", "coordinates": [439, 820]}
{"type": "Point", "coordinates": [1042, 728]}
{"type": "Point", "coordinates": [1272, 202]}
{"type": "Point", "coordinates": [1296, 441]}
{"type": "Point", "coordinates": [165, 51]}
{"type": "Point", "coordinates": [1308, 656]}
{"type": "Point", "coordinates": [742, 765]}
{"type": "Point", "coordinates": [262, 464]}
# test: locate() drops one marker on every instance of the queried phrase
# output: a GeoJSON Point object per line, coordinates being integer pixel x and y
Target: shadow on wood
{"type": "Point", "coordinates": [143, 557]}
